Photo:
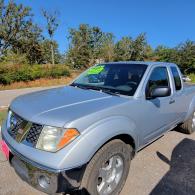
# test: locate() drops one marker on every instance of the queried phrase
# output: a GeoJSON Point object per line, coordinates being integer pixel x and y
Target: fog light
{"type": "Point", "coordinates": [44, 181]}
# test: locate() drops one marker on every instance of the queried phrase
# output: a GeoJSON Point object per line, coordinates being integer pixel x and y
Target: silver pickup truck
{"type": "Point", "coordinates": [81, 138]}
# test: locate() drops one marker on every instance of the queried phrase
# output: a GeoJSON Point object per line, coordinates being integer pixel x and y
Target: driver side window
{"type": "Point", "coordinates": [158, 78]}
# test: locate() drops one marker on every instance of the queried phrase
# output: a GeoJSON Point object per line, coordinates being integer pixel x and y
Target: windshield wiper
{"type": "Point", "coordinates": [86, 86]}
{"type": "Point", "coordinates": [104, 90]}
{"type": "Point", "coordinates": [110, 92]}
{"type": "Point", "coordinates": [79, 86]}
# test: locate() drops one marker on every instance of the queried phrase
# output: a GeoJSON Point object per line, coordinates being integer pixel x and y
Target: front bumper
{"type": "Point", "coordinates": [43, 178]}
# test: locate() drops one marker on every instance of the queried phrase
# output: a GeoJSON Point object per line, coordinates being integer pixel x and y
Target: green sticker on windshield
{"type": "Point", "coordinates": [95, 70]}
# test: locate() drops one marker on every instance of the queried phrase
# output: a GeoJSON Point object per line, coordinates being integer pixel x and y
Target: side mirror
{"type": "Point", "coordinates": [159, 92]}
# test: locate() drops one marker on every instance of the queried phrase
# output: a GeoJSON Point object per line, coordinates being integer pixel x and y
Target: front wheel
{"type": "Point", "coordinates": [107, 171]}
{"type": "Point", "coordinates": [188, 126]}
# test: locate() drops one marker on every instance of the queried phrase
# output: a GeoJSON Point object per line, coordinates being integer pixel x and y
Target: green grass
{"type": "Point", "coordinates": [3, 114]}
{"type": "Point", "coordinates": [192, 77]}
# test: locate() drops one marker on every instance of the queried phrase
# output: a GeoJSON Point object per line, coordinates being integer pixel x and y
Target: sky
{"type": "Point", "coordinates": [165, 22]}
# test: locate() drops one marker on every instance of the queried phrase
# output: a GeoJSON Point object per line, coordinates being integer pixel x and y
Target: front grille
{"type": "Point", "coordinates": [33, 134]}
{"type": "Point", "coordinates": [21, 130]}
{"type": "Point", "coordinates": [15, 124]}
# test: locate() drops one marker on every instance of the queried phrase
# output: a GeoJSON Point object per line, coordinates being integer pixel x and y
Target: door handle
{"type": "Point", "coordinates": [171, 101]}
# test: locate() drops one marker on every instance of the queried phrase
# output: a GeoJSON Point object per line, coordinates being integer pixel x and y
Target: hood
{"type": "Point", "coordinates": [57, 106]}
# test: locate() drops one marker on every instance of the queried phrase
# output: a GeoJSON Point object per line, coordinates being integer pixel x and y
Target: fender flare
{"type": "Point", "coordinates": [95, 136]}
{"type": "Point", "coordinates": [191, 109]}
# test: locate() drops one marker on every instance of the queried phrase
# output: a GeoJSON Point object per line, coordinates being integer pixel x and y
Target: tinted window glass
{"type": "Point", "coordinates": [120, 78]}
{"type": "Point", "coordinates": [176, 78]}
{"type": "Point", "coordinates": [158, 78]}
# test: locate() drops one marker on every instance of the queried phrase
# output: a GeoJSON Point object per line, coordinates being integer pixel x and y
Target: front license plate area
{"type": "Point", "coordinates": [5, 149]}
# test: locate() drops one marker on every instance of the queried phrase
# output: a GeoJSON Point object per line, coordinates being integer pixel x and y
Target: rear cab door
{"type": "Point", "coordinates": [180, 105]}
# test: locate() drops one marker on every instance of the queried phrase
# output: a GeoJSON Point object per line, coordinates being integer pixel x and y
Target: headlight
{"type": "Point", "coordinates": [53, 139]}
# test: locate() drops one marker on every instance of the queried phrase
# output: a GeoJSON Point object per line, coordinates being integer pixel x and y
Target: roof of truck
{"type": "Point", "coordinates": [142, 62]}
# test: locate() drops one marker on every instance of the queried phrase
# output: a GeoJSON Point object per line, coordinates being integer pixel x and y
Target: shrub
{"type": "Point", "coordinates": [13, 58]}
{"type": "Point", "coordinates": [192, 77]}
{"type": "Point", "coordinates": [15, 73]}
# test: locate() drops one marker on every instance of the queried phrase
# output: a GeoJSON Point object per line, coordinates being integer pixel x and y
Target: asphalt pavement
{"type": "Point", "coordinates": [166, 167]}
{"type": "Point", "coordinates": [7, 96]}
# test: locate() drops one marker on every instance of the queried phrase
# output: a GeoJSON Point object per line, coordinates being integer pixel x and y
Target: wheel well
{"type": "Point", "coordinates": [127, 139]}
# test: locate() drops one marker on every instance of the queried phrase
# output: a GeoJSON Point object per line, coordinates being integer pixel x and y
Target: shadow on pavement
{"type": "Point", "coordinates": [180, 179]}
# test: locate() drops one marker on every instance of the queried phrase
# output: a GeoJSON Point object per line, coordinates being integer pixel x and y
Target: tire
{"type": "Point", "coordinates": [188, 126]}
{"type": "Point", "coordinates": [107, 163]}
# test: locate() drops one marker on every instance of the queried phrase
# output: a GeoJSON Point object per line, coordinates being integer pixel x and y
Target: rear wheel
{"type": "Point", "coordinates": [107, 171]}
{"type": "Point", "coordinates": [188, 126]}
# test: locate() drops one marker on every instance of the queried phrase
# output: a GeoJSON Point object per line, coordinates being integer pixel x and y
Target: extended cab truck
{"type": "Point", "coordinates": [82, 137]}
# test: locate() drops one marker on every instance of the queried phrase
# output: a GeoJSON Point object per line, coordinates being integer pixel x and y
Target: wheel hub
{"type": "Point", "coordinates": [193, 120]}
{"type": "Point", "coordinates": [110, 175]}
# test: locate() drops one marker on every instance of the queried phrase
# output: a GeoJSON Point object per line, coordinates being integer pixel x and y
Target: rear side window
{"type": "Point", "coordinates": [158, 78]}
{"type": "Point", "coordinates": [176, 77]}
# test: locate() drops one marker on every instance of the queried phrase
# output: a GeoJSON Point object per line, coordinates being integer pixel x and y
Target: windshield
{"type": "Point", "coordinates": [115, 78]}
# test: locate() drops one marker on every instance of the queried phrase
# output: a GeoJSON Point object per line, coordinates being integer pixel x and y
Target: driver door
{"type": "Point", "coordinates": [160, 114]}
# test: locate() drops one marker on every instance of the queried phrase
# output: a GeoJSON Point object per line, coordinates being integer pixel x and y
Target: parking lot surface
{"type": "Point", "coordinates": [165, 167]}
{"type": "Point", "coordinates": [7, 96]}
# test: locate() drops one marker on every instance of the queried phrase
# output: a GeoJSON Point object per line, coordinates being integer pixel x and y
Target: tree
{"type": "Point", "coordinates": [107, 47]}
{"type": "Point", "coordinates": [166, 54]}
{"type": "Point", "coordinates": [95, 43]}
{"type": "Point", "coordinates": [14, 21]}
{"type": "Point", "coordinates": [139, 47]}
{"type": "Point", "coordinates": [80, 52]}
{"type": "Point", "coordinates": [132, 49]}
{"type": "Point", "coordinates": [89, 45]}
{"type": "Point", "coordinates": [46, 52]}
{"type": "Point", "coordinates": [183, 55]}
{"type": "Point", "coordinates": [123, 49]}
{"type": "Point", "coordinates": [186, 52]}
{"type": "Point", "coordinates": [149, 53]}
{"type": "Point", "coordinates": [17, 31]}
{"type": "Point", "coordinates": [30, 44]}
{"type": "Point", "coordinates": [52, 25]}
